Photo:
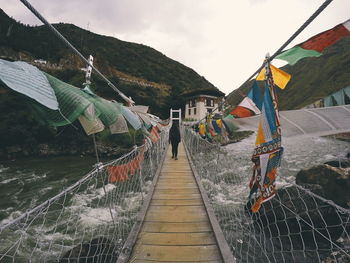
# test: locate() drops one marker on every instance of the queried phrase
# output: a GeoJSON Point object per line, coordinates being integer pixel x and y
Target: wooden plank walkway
{"type": "Point", "coordinates": [176, 227]}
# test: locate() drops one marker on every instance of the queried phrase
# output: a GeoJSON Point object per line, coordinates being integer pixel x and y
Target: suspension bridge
{"type": "Point", "coordinates": [167, 211]}
{"type": "Point", "coordinates": [147, 207]}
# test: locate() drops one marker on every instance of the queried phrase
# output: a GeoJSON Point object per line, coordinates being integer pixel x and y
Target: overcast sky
{"type": "Point", "coordinates": [223, 40]}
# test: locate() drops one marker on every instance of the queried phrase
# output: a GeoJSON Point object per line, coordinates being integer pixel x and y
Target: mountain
{"type": "Point", "coordinates": [312, 78]}
{"type": "Point", "coordinates": [148, 76]}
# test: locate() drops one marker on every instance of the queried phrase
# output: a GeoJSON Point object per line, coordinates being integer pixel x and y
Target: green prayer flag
{"type": "Point", "coordinates": [296, 53]}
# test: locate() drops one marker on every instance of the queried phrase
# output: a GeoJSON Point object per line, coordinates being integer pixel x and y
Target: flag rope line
{"type": "Point", "coordinates": [299, 30]}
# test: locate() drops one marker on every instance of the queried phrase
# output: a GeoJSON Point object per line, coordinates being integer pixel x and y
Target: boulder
{"type": "Point", "coordinates": [335, 182]}
{"type": "Point", "coordinates": [294, 222]}
{"type": "Point", "coordinates": [339, 163]}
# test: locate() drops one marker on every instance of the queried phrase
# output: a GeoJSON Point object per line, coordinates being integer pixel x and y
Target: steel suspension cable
{"type": "Point", "coordinates": [296, 33]}
{"type": "Point", "coordinates": [61, 37]}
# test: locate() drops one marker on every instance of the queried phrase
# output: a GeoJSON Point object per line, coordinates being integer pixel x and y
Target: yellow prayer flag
{"type": "Point", "coordinates": [201, 129]}
{"type": "Point", "coordinates": [280, 78]}
{"type": "Point", "coordinates": [261, 75]}
{"type": "Point", "coordinates": [260, 135]}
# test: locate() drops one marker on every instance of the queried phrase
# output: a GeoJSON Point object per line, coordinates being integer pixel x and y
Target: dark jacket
{"type": "Point", "coordinates": [174, 134]}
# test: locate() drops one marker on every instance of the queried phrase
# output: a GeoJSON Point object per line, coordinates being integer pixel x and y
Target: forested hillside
{"type": "Point", "coordinates": [126, 64]}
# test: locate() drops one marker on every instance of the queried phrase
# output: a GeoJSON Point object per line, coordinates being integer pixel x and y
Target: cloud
{"type": "Point", "coordinates": [253, 2]}
{"type": "Point", "coordinates": [225, 40]}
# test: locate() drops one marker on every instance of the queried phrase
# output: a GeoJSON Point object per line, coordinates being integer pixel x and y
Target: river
{"type": "Point", "coordinates": [26, 183]}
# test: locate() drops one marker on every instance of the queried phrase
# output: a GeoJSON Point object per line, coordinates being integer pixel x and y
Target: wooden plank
{"type": "Point", "coordinates": [152, 261]}
{"type": "Point", "coordinates": [189, 202]}
{"type": "Point", "coordinates": [179, 209]}
{"type": "Point", "coordinates": [176, 227]}
{"type": "Point", "coordinates": [131, 239]}
{"type": "Point", "coordinates": [224, 248]}
{"type": "Point", "coordinates": [176, 185]}
{"type": "Point", "coordinates": [177, 239]}
{"type": "Point", "coordinates": [176, 173]}
{"type": "Point", "coordinates": [176, 179]}
{"type": "Point", "coordinates": [177, 169]}
{"type": "Point", "coordinates": [176, 196]}
{"type": "Point", "coordinates": [165, 227]}
{"type": "Point", "coordinates": [177, 253]}
{"type": "Point", "coordinates": [176, 213]}
{"type": "Point", "coordinates": [184, 190]}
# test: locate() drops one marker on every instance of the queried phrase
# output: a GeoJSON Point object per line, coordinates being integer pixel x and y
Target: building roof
{"type": "Point", "coordinates": [210, 92]}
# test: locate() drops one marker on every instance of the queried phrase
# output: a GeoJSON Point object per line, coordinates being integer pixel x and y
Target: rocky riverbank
{"type": "Point", "coordinates": [49, 150]}
{"type": "Point", "coordinates": [309, 219]}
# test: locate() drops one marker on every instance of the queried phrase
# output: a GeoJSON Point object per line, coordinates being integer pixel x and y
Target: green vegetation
{"type": "Point", "coordinates": [141, 72]}
{"type": "Point", "coordinates": [115, 58]}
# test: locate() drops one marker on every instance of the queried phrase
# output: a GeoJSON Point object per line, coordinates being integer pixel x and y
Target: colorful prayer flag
{"type": "Point", "coordinates": [245, 109]}
{"type": "Point", "coordinates": [117, 173]}
{"type": "Point", "coordinates": [254, 95]}
{"type": "Point", "coordinates": [216, 126]}
{"type": "Point", "coordinates": [250, 105]}
{"type": "Point", "coordinates": [280, 78]}
{"type": "Point", "coordinates": [201, 129]}
{"type": "Point", "coordinates": [314, 46]}
{"type": "Point", "coordinates": [120, 173]}
{"type": "Point", "coordinates": [268, 151]}
{"type": "Point", "coordinates": [210, 127]}
{"type": "Point", "coordinates": [154, 134]}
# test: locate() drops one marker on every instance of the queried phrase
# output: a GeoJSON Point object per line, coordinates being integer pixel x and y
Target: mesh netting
{"type": "Point", "coordinates": [306, 122]}
{"type": "Point", "coordinates": [298, 225]}
{"type": "Point", "coordinates": [90, 220]}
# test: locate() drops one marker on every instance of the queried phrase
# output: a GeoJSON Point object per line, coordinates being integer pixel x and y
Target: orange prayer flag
{"type": "Point", "coordinates": [241, 112]}
{"type": "Point", "coordinates": [154, 134]}
{"type": "Point", "coordinates": [117, 173]}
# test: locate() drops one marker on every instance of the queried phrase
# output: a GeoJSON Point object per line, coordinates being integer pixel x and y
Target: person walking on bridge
{"type": "Point", "coordinates": [174, 139]}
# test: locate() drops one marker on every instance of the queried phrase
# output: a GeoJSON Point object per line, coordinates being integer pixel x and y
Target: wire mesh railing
{"type": "Point", "coordinates": [298, 225]}
{"type": "Point", "coordinates": [90, 220]}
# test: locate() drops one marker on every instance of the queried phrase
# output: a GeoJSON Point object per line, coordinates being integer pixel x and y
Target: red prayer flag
{"type": "Point", "coordinates": [241, 112]}
{"type": "Point", "coordinates": [154, 134]}
{"type": "Point", "coordinates": [117, 173]}
{"type": "Point", "coordinates": [327, 38]}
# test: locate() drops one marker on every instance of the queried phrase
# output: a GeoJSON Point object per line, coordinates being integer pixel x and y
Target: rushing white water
{"type": "Point", "coordinates": [298, 154]}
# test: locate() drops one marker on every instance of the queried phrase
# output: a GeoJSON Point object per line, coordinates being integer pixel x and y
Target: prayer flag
{"type": "Point", "coordinates": [154, 134]}
{"type": "Point", "coordinates": [314, 46]}
{"type": "Point", "coordinates": [268, 151]}
{"type": "Point", "coordinates": [216, 127]}
{"type": "Point", "coordinates": [280, 78]}
{"type": "Point", "coordinates": [201, 129]}
{"type": "Point", "coordinates": [254, 95]}
{"type": "Point", "coordinates": [250, 105]}
{"type": "Point", "coordinates": [245, 109]}
{"type": "Point", "coordinates": [117, 173]}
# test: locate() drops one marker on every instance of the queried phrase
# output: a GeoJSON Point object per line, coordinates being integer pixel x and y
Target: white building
{"type": "Point", "coordinates": [200, 103]}
{"type": "Point", "coordinates": [40, 61]}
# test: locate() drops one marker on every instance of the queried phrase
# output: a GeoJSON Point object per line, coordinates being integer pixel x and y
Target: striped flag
{"type": "Point", "coordinates": [314, 46]}
{"type": "Point", "coordinates": [250, 105]}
